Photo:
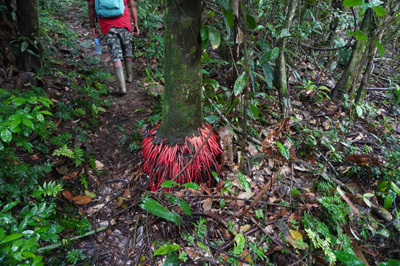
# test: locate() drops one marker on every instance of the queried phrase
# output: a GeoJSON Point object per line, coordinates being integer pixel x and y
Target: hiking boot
{"type": "Point", "coordinates": [119, 73]}
{"type": "Point", "coordinates": [129, 73]}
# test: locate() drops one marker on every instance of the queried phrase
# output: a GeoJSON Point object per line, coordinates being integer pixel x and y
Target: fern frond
{"type": "Point", "coordinates": [64, 151]}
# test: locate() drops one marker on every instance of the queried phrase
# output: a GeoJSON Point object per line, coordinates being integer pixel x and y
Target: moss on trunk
{"type": "Point", "coordinates": [182, 108]}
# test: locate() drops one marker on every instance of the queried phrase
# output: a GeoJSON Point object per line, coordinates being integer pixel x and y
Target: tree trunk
{"type": "Point", "coordinates": [349, 75]}
{"type": "Point", "coordinates": [182, 149]}
{"type": "Point", "coordinates": [182, 108]}
{"type": "Point", "coordinates": [280, 69]}
{"type": "Point", "coordinates": [8, 32]}
{"type": "Point", "coordinates": [28, 25]}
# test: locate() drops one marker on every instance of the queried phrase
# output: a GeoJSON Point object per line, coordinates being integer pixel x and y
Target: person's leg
{"type": "Point", "coordinates": [114, 45]}
{"type": "Point", "coordinates": [126, 44]}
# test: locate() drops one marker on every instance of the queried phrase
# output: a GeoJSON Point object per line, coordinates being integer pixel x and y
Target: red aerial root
{"type": "Point", "coordinates": [163, 162]}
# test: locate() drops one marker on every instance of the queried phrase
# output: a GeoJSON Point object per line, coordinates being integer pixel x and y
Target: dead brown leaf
{"type": "Point", "coordinates": [81, 199]}
{"type": "Point", "coordinates": [207, 204]}
{"type": "Point", "coordinates": [278, 134]}
{"type": "Point", "coordinates": [364, 159]}
{"type": "Point", "coordinates": [70, 176]}
{"type": "Point", "coordinates": [67, 194]}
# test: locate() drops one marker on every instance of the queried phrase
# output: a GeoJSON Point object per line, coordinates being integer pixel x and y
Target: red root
{"type": "Point", "coordinates": [162, 161]}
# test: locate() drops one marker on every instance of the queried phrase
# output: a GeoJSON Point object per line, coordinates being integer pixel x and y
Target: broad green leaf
{"type": "Point", "coordinates": [352, 3]}
{"type": "Point", "coordinates": [11, 238]}
{"type": "Point", "coordinates": [240, 83]}
{"type": "Point", "coordinates": [191, 185]}
{"type": "Point", "coordinates": [24, 45]}
{"type": "Point", "coordinates": [381, 49]}
{"type": "Point", "coordinates": [9, 206]}
{"type": "Point", "coordinates": [215, 175]}
{"type": "Point", "coordinates": [360, 36]}
{"type": "Point", "coordinates": [6, 135]}
{"type": "Point", "coordinates": [161, 251]}
{"type": "Point", "coordinates": [157, 209]}
{"type": "Point", "coordinates": [46, 113]}
{"type": "Point", "coordinates": [211, 119]}
{"type": "Point", "coordinates": [251, 22]}
{"type": "Point", "coordinates": [28, 254]}
{"type": "Point", "coordinates": [172, 260]}
{"type": "Point", "coordinates": [284, 33]}
{"type": "Point", "coordinates": [17, 256]}
{"type": "Point", "coordinates": [390, 262]}
{"type": "Point", "coordinates": [244, 182]}
{"type": "Point", "coordinates": [382, 186]}
{"type": "Point", "coordinates": [19, 101]}
{"type": "Point", "coordinates": [27, 122]}
{"type": "Point", "coordinates": [271, 55]}
{"type": "Point", "coordinates": [185, 207]}
{"type": "Point", "coordinates": [239, 244]}
{"type": "Point", "coordinates": [226, 4]}
{"type": "Point", "coordinates": [254, 110]}
{"type": "Point", "coordinates": [214, 37]}
{"type": "Point", "coordinates": [380, 11]}
{"type": "Point", "coordinates": [14, 123]}
{"type": "Point", "coordinates": [1, 233]}
{"type": "Point", "coordinates": [359, 111]}
{"type": "Point", "coordinates": [269, 75]}
{"type": "Point", "coordinates": [284, 150]}
{"type": "Point", "coordinates": [348, 259]}
{"type": "Point", "coordinates": [388, 202]}
{"type": "Point", "coordinates": [395, 188]}
{"type": "Point", "coordinates": [166, 249]}
{"type": "Point", "coordinates": [228, 15]}
{"type": "Point", "coordinates": [40, 117]}
{"type": "Point", "coordinates": [169, 183]}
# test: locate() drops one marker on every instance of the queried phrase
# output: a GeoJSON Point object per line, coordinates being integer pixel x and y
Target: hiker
{"type": "Point", "coordinates": [117, 31]}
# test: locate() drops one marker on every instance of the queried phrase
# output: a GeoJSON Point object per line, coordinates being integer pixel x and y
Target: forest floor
{"type": "Point", "coordinates": [132, 234]}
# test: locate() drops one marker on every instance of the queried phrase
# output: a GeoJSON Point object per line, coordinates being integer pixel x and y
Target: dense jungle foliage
{"type": "Point", "coordinates": [305, 96]}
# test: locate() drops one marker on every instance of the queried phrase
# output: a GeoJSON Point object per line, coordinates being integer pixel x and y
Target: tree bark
{"type": "Point", "coordinates": [349, 75]}
{"type": "Point", "coordinates": [280, 70]}
{"type": "Point", "coordinates": [8, 32]}
{"type": "Point", "coordinates": [28, 26]}
{"type": "Point", "coordinates": [182, 108]}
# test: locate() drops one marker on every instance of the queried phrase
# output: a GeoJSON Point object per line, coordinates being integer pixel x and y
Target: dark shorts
{"type": "Point", "coordinates": [119, 42]}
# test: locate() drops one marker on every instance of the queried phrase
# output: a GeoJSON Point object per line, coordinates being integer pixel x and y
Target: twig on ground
{"type": "Point", "coordinates": [213, 216]}
{"type": "Point", "coordinates": [53, 246]}
{"type": "Point", "coordinates": [126, 209]}
{"type": "Point", "coordinates": [222, 251]}
{"type": "Point", "coordinates": [261, 194]}
{"type": "Point", "coordinates": [272, 238]}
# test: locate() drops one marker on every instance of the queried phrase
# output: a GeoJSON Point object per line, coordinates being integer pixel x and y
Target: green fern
{"type": "Point", "coordinates": [48, 189]}
{"type": "Point", "coordinates": [64, 151]}
{"type": "Point", "coordinates": [61, 139]}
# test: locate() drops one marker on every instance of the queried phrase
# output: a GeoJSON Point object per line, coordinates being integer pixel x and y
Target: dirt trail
{"type": "Point", "coordinates": [120, 168]}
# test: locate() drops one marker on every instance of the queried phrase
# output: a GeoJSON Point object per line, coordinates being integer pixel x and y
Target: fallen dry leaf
{"type": "Point", "coordinates": [278, 134]}
{"type": "Point", "coordinates": [207, 204]}
{"type": "Point", "coordinates": [364, 159]}
{"type": "Point", "coordinates": [82, 199]}
{"type": "Point", "coordinates": [70, 176]}
{"type": "Point", "coordinates": [67, 194]}
{"type": "Point", "coordinates": [94, 209]}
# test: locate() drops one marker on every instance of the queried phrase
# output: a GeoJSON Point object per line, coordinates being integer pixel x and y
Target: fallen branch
{"type": "Point", "coordinates": [222, 251]}
{"type": "Point", "coordinates": [64, 241]}
{"type": "Point", "coordinates": [261, 194]}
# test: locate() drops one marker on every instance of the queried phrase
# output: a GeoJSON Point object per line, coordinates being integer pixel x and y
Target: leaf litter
{"type": "Point", "coordinates": [267, 212]}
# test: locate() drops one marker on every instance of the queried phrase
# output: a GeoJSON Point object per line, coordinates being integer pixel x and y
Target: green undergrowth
{"type": "Point", "coordinates": [35, 219]}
